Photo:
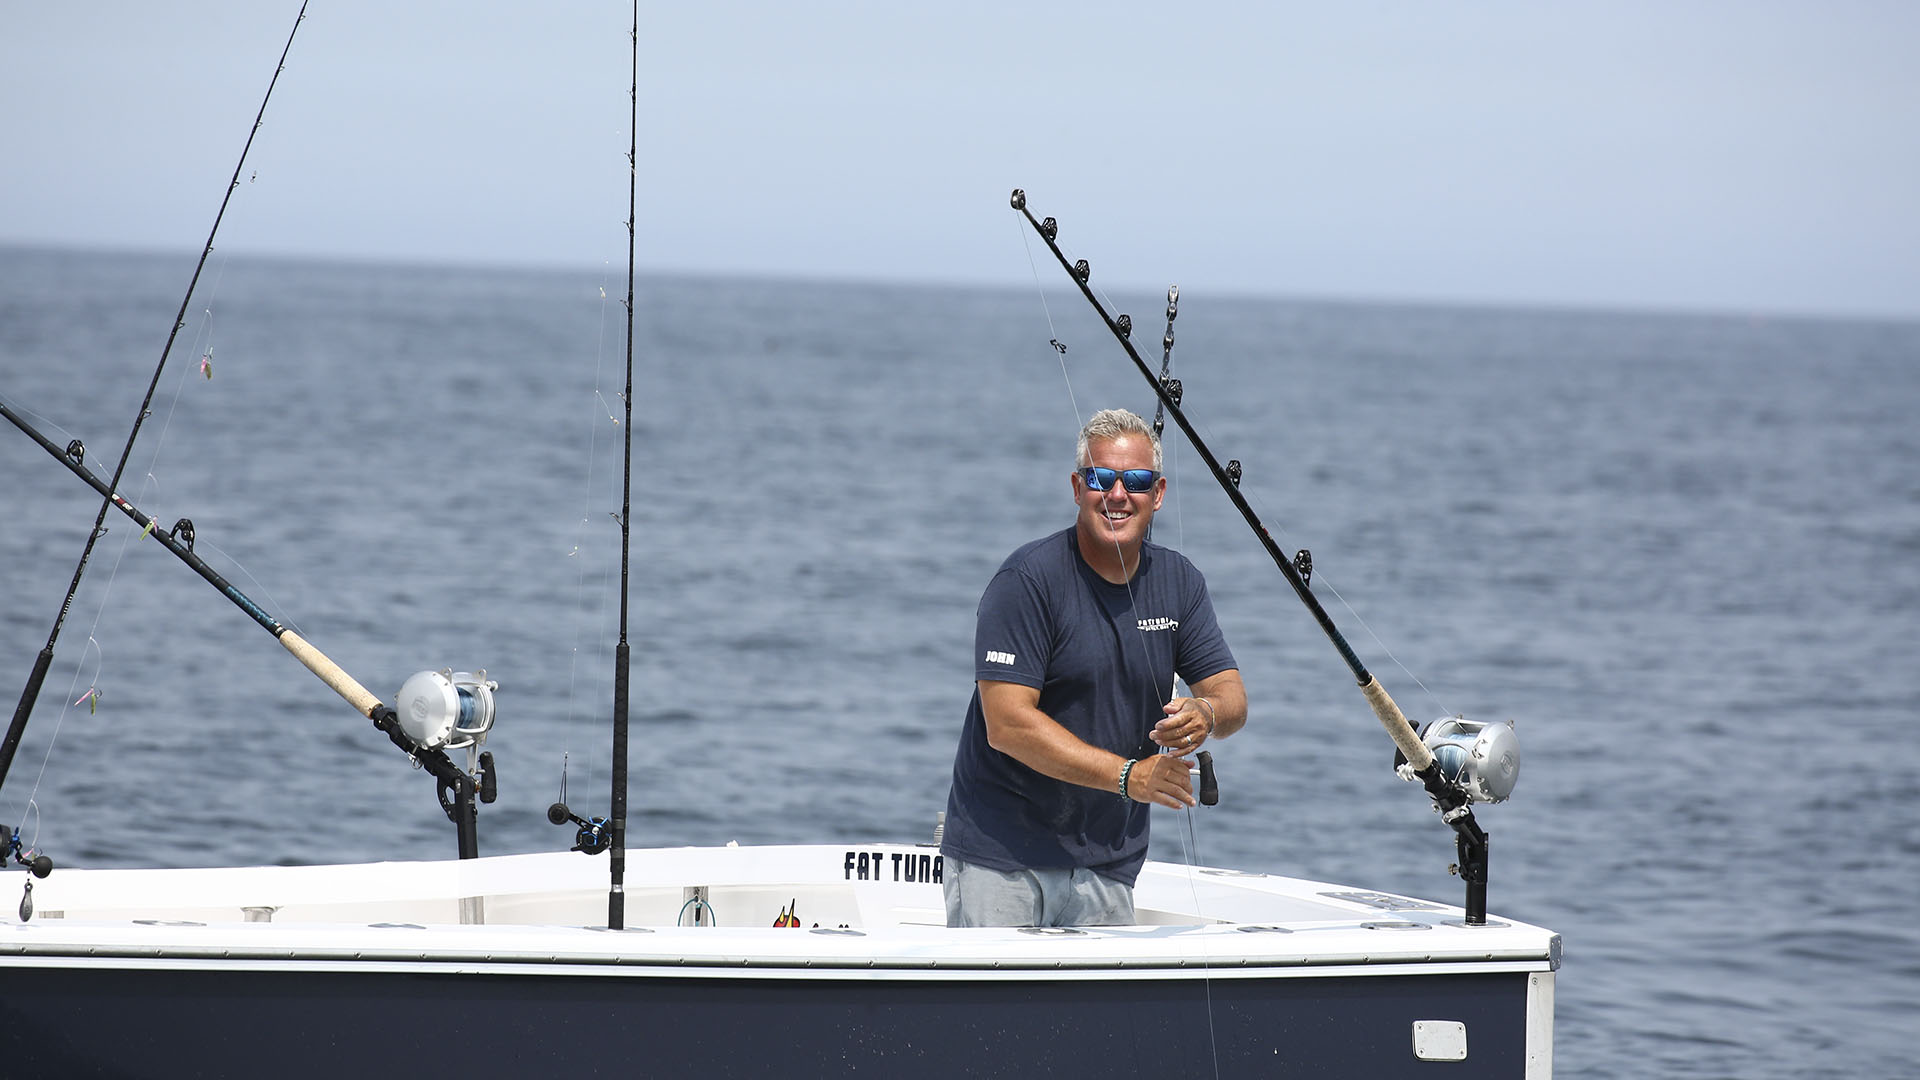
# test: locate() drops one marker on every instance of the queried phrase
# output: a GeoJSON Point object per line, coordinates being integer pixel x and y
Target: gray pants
{"type": "Point", "coordinates": [979, 896]}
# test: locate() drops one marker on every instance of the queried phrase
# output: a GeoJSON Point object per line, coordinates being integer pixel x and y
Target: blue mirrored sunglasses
{"type": "Point", "coordinates": [1134, 480]}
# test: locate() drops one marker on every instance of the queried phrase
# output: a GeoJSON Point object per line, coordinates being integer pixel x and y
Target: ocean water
{"type": "Point", "coordinates": [1681, 552]}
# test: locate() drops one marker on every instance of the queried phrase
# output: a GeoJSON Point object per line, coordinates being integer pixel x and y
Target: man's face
{"type": "Point", "coordinates": [1116, 515]}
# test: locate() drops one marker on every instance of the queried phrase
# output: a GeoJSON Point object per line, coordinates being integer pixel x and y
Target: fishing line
{"type": "Point", "coordinates": [1179, 518]}
{"type": "Point", "coordinates": [206, 323]}
{"type": "Point", "coordinates": [11, 743]}
{"type": "Point", "coordinates": [1080, 425]}
{"type": "Point", "coordinates": [1206, 961]}
{"type": "Point", "coordinates": [587, 565]}
{"type": "Point", "coordinates": [1053, 335]}
{"type": "Point", "coordinates": [1432, 698]}
{"type": "Point", "coordinates": [1322, 578]}
{"type": "Point", "coordinates": [1179, 513]}
{"type": "Point", "coordinates": [93, 645]}
{"type": "Point", "coordinates": [1319, 574]}
{"type": "Point", "coordinates": [1451, 798]}
{"type": "Point", "coordinates": [32, 846]}
{"type": "Point", "coordinates": [599, 358]}
{"type": "Point", "coordinates": [1193, 846]}
{"type": "Point", "coordinates": [179, 541]}
{"type": "Point", "coordinates": [1140, 633]}
{"type": "Point", "coordinates": [60, 718]}
{"type": "Point", "coordinates": [236, 564]}
{"type": "Point", "coordinates": [1160, 406]}
{"type": "Point", "coordinates": [149, 483]}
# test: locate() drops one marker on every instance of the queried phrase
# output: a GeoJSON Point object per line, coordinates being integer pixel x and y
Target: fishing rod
{"type": "Point", "coordinates": [1166, 364]}
{"type": "Point", "coordinates": [1209, 783]}
{"type": "Point", "coordinates": [38, 677]}
{"type": "Point", "coordinates": [609, 834]}
{"type": "Point", "coordinates": [1452, 796]}
{"type": "Point", "coordinates": [442, 710]}
{"type": "Point", "coordinates": [617, 809]}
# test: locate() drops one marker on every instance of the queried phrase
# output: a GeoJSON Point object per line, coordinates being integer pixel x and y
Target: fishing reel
{"type": "Point", "coordinates": [1481, 760]}
{"type": "Point", "coordinates": [11, 848]}
{"type": "Point", "coordinates": [452, 710]}
{"type": "Point", "coordinates": [445, 709]}
{"type": "Point", "coordinates": [593, 836]}
{"type": "Point", "coordinates": [39, 866]}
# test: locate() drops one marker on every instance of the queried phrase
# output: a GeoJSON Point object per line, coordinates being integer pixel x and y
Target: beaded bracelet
{"type": "Point", "coordinates": [1209, 706]}
{"type": "Point", "coordinates": [1125, 771]}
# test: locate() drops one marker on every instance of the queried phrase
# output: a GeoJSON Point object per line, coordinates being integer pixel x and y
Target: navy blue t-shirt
{"type": "Point", "coordinates": [1103, 657]}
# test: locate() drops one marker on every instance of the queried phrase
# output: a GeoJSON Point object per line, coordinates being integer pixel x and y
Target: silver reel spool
{"type": "Point", "coordinates": [1482, 759]}
{"type": "Point", "coordinates": [445, 709]}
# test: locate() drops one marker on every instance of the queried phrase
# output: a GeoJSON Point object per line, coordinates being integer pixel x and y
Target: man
{"type": "Point", "coordinates": [1078, 639]}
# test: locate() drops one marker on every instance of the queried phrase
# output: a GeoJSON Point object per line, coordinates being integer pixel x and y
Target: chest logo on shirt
{"type": "Point", "coordinates": [999, 657]}
{"type": "Point", "coordinates": [1159, 624]}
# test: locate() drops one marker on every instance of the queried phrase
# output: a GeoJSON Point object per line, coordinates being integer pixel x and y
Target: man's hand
{"type": "Point", "coordinates": [1188, 723]}
{"type": "Point", "coordinates": [1162, 780]}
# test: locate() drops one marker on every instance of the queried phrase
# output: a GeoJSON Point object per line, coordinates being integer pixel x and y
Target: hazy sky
{"type": "Point", "coordinates": [1747, 156]}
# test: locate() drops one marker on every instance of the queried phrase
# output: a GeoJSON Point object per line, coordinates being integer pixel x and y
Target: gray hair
{"type": "Point", "coordinates": [1111, 424]}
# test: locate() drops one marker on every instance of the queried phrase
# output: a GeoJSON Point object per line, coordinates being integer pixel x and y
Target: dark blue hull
{"type": "Point", "coordinates": [76, 1022]}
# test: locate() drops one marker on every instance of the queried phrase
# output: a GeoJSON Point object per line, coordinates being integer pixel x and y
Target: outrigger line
{"type": "Point", "coordinates": [31, 693]}
{"type": "Point", "coordinates": [457, 787]}
{"type": "Point", "coordinates": [1451, 799]}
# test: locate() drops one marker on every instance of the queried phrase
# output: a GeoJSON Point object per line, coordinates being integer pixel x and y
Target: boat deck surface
{"type": "Point", "coordinates": [869, 908]}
